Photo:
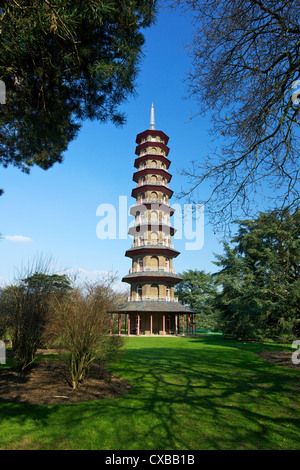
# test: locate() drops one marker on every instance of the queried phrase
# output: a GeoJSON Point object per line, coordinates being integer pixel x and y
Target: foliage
{"type": "Point", "coordinates": [48, 283]}
{"type": "Point", "coordinates": [245, 75]}
{"type": "Point", "coordinates": [6, 296]}
{"type": "Point", "coordinates": [63, 62]}
{"type": "Point", "coordinates": [24, 312]}
{"type": "Point", "coordinates": [28, 312]}
{"type": "Point", "coordinates": [198, 290]}
{"type": "Point", "coordinates": [260, 278]}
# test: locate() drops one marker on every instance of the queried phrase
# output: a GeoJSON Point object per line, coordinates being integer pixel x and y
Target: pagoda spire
{"type": "Point", "coordinates": [152, 119]}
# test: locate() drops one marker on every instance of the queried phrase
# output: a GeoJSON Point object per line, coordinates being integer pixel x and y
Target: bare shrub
{"type": "Point", "coordinates": [81, 323]}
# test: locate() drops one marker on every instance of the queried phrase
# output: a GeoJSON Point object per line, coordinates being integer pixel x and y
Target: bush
{"type": "Point", "coordinates": [81, 323]}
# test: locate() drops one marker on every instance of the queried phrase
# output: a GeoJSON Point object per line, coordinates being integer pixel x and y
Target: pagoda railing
{"type": "Point", "coordinates": [152, 152]}
{"type": "Point", "coordinates": [131, 298]}
{"type": "Point", "coordinates": [149, 199]}
{"type": "Point", "coordinates": [144, 220]}
{"type": "Point", "coordinates": [152, 167]}
{"type": "Point", "coordinates": [149, 243]}
{"type": "Point", "coordinates": [148, 182]}
{"type": "Point", "coordinates": [140, 269]}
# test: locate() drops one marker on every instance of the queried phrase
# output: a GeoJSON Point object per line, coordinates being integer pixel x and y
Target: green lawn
{"type": "Point", "coordinates": [187, 394]}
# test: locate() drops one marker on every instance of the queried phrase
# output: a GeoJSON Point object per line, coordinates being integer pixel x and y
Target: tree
{"type": "Point", "coordinates": [198, 291]}
{"type": "Point", "coordinates": [245, 74]}
{"type": "Point", "coordinates": [5, 312]}
{"type": "Point", "coordinates": [81, 324]}
{"type": "Point", "coordinates": [63, 62]}
{"type": "Point", "coordinates": [28, 313]}
{"type": "Point", "coordinates": [47, 284]}
{"type": "Point", "coordinates": [25, 307]}
{"type": "Point", "coordinates": [260, 278]}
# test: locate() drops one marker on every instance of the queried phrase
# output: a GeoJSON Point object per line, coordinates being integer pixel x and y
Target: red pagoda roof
{"type": "Point", "coordinates": [153, 171]}
{"type": "Point", "coordinates": [149, 143]}
{"type": "Point", "coordinates": [151, 187]}
{"type": "Point", "coordinates": [148, 156]}
{"type": "Point", "coordinates": [154, 133]}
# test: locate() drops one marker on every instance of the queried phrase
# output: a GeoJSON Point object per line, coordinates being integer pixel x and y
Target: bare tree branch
{"type": "Point", "coordinates": [245, 66]}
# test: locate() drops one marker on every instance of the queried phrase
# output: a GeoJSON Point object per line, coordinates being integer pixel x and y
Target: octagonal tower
{"type": "Point", "coordinates": [152, 307]}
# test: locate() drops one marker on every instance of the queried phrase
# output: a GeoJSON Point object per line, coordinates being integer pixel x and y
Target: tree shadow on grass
{"type": "Point", "coordinates": [190, 394]}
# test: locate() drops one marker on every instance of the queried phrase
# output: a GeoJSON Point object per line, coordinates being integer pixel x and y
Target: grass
{"type": "Point", "coordinates": [187, 394]}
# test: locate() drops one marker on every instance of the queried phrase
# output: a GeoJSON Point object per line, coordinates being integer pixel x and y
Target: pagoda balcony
{"type": "Point", "coordinates": [143, 269]}
{"type": "Point", "coordinates": [143, 227]}
{"type": "Point", "coordinates": [148, 247]}
{"type": "Point", "coordinates": [150, 200]}
{"type": "Point", "coordinates": [151, 167]}
{"type": "Point", "coordinates": [152, 187]}
{"type": "Point", "coordinates": [148, 182]}
{"type": "Point", "coordinates": [132, 298]}
{"type": "Point", "coordinates": [150, 243]}
{"type": "Point", "coordinates": [147, 221]}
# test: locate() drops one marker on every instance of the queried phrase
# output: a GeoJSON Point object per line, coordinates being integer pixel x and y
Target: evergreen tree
{"type": "Point", "coordinates": [63, 62]}
{"type": "Point", "coordinates": [198, 291]}
{"type": "Point", "coordinates": [260, 278]}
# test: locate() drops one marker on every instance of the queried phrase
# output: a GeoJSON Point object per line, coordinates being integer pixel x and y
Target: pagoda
{"type": "Point", "coordinates": [152, 307]}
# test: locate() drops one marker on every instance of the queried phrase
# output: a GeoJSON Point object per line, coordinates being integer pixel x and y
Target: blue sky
{"type": "Point", "coordinates": [54, 212]}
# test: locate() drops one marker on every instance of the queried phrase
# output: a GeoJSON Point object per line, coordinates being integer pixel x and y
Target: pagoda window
{"type": "Point", "coordinates": [140, 264]}
{"type": "Point", "coordinates": [154, 291]}
{"type": "Point", "coordinates": [139, 292]}
{"type": "Point", "coordinates": [153, 196]}
{"type": "Point", "coordinates": [154, 263]}
{"type": "Point", "coordinates": [154, 238]}
{"type": "Point", "coordinates": [168, 292]}
{"type": "Point", "coordinates": [154, 164]}
{"type": "Point", "coordinates": [167, 264]}
{"type": "Point", "coordinates": [153, 179]}
{"type": "Point", "coordinates": [143, 197]}
{"type": "Point", "coordinates": [154, 217]}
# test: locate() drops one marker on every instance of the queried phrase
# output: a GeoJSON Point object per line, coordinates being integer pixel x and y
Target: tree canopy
{"type": "Point", "coordinates": [47, 283]}
{"type": "Point", "coordinates": [259, 274]}
{"type": "Point", "coordinates": [64, 61]}
{"type": "Point", "coordinates": [198, 291]}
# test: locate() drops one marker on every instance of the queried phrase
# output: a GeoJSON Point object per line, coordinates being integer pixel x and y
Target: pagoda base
{"type": "Point", "coordinates": [153, 318]}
